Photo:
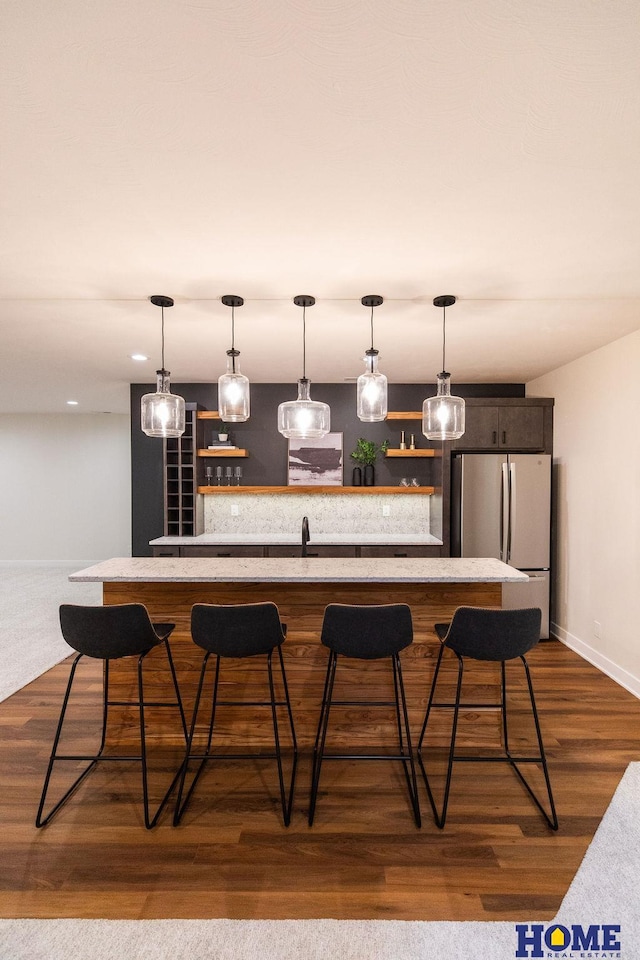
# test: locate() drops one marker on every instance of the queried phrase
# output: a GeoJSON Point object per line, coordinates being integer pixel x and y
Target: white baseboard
{"type": "Point", "coordinates": [613, 670]}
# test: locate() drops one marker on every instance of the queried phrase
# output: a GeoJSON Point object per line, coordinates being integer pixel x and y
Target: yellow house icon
{"type": "Point", "coordinates": [557, 938]}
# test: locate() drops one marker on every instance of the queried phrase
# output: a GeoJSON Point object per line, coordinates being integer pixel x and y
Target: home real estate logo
{"type": "Point", "coordinates": [594, 941]}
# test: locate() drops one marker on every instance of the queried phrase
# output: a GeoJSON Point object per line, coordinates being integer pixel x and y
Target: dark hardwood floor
{"type": "Point", "coordinates": [363, 858]}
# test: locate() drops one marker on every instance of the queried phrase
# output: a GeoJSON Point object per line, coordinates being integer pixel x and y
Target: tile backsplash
{"type": "Point", "coordinates": [327, 513]}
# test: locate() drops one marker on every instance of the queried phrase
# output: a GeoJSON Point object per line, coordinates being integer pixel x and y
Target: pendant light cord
{"type": "Point", "coordinates": [233, 338]}
{"type": "Point", "coordinates": [162, 311]}
{"type": "Point", "coordinates": [444, 321]}
{"type": "Point", "coordinates": [304, 343]}
{"type": "Point", "coordinates": [372, 347]}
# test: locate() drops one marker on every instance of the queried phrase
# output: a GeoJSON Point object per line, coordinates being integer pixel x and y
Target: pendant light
{"type": "Point", "coordinates": [372, 385]}
{"type": "Point", "coordinates": [162, 411]}
{"type": "Point", "coordinates": [304, 418]}
{"type": "Point", "coordinates": [443, 415]}
{"type": "Point", "coordinates": [233, 386]}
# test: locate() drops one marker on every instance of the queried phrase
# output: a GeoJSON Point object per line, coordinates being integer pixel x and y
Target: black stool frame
{"type": "Point", "coordinates": [149, 821]}
{"type": "Point", "coordinates": [287, 802]}
{"type": "Point", "coordinates": [456, 706]}
{"type": "Point", "coordinates": [405, 752]}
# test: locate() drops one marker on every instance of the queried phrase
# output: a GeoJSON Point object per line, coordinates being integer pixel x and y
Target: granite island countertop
{"type": "Point", "coordinates": [291, 539]}
{"type": "Point", "coordinates": [300, 570]}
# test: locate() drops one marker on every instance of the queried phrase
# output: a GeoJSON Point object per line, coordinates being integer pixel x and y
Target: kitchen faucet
{"type": "Point", "coordinates": [305, 536]}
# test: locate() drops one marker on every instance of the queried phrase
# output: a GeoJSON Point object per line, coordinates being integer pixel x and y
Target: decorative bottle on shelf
{"type": "Point", "coordinates": [412, 444]}
{"type": "Point", "coordinates": [403, 442]}
{"type": "Point", "coordinates": [356, 477]}
{"type": "Point", "coordinates": [369, 475]}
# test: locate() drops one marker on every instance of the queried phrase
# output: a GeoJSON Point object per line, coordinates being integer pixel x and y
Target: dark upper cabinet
{"type": "Point", "coordinates": [508, 425]}
{"type": "Point", "coordinates": [521, 427]}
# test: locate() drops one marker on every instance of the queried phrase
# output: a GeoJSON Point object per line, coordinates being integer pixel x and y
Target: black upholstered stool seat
{"type": "Point", "coordinates": [480, 633]}
{"type": "Point", "coordinates": [372, 632]}
{"type": "Point", "coordinates": [111, 633]}
{"type": "Point", "coordinates": [238, 631]}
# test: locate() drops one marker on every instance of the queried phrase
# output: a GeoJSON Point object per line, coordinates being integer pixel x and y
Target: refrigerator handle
{"type": "Point", "coordinates": [504, 506]}
{"type": "Point", "coordinates": [512, 508]}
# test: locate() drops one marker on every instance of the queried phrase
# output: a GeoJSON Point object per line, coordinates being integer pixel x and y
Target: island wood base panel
{"type": "Point", "coordinates": [301, 607]}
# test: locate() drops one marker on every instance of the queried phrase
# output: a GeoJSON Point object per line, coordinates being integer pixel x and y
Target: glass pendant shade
{"type": "Point", "coordinates": [233, 392]}
{"type": "Point", "coordinates": [162, 412]}
{"type": "Point", "coordinates": [304, 418]}
{"type": "Point", "coordinates": [443, 415]}
{"type": "Point", "coordinates": [372, 391]}
{"type": "Point", "coordinates": [233, 386]}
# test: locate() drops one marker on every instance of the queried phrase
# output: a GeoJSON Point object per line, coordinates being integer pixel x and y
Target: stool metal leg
{"type": "Point", "coordinates": [321, 735]}
{"type": "Point", "coordinates": [273, 703]}
{"type": "Point", "coordinates": [402, 719]}
{"type": "Point", "coordinates": [410, 774]}
{"type": "Point", "coordinates": [503, 705]}
{"type": "Point", "coordinates": [181, 806]}
{"type": "Point", "coordinates": [174, 679]}
{"type": "Point", "coordinates": [99, 756]}
{"type": "Point", "coordinates": [40, 822]}
{"type": "Point", "coordinates": [440, 818]}
{"type": "Point", "coordinates": [286, 804]}
{"type": "Point", "coordinates": [552, 820]}
{"type": "Point", "coordinates": [150, 821]}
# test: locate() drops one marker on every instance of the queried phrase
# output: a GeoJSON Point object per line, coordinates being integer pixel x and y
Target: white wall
{"type": "Point", "coordinates": [597, 464]}
{"type": "Point", "coordinates": [65, 488]}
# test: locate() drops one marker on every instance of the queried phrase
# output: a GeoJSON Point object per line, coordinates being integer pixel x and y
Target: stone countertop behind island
{"type": "Point", "coordinates": [289, 539]}
{"type": "Point", "coordinates": [300, 570]}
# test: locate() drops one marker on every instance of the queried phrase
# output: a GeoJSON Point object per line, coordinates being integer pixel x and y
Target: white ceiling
{"type": "Point", "coordinates": [484, 148]}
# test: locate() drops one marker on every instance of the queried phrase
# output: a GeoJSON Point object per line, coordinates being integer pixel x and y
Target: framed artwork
{"type": "Point", "coordinates": [316, 462]}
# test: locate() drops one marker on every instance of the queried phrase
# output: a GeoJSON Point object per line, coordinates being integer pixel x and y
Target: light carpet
{"type": "Point", "coordinates": [604, 891]}
{"type": "Point", "coordinates": [30, 641]}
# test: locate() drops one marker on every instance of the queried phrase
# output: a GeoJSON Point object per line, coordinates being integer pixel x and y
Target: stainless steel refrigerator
{"type": "Point", "coordinates": [501, 507]}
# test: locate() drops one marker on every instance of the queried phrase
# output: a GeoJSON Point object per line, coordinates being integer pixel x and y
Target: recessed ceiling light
{"type": "Point", "coordinates": [72, 403]}
{"type": "Point", "coordinates": [138, 356]}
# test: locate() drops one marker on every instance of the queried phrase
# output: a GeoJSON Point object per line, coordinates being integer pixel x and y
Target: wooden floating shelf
{"type": "Point", "coordinates": [207, 415]}
{"type": "Point", "coordinates": [411, 453]}
{"type": "Point", "coordinates": [403, 491]}
{"type": "Point", "coordinates": [221, 452]}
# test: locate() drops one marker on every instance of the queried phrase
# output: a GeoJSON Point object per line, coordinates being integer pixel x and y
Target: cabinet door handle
{"type": "Point", "coordinates": [169, 554]}
{"type": "Point", "coordinates": [401, 554]}
{"type": "Point", "coordinates": [504, 436]}
{"type": "Point", "coordinates": [223, 554]}
{"type": "Point", "coordinates": [495, 437]}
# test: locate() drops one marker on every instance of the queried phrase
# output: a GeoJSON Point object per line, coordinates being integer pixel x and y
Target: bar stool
{"type": "Point", "coordinates": [238, 631]}
{"type": "Point", "coordinates": [372, 632]}
{"type": "Point", "coordinates": [479, 633]}
{"type": "Point", "coordinates": [110, 633]}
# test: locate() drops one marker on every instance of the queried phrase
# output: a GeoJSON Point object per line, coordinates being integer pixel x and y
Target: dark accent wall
{"type": "Point", "coordinates": [267, 461]}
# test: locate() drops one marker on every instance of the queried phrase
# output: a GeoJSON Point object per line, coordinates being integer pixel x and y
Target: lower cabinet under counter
{"type": "Point", "coordinates": [217, 550]}
{"type": "Point", "coordinates": [294, 550]}
{"type": "Point", "coordinates": [400, 550]}
{"type": "Point", "coordinates": [224, 550]}
{"type": "Point", "coordinates": [322, 550]}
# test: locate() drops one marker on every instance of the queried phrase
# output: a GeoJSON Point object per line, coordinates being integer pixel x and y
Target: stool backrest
{"type": "Point", "coordinates": [486, 634]}
{"type": "Point", "coordinates": [367, 632]}
{"type": "Point", "coordinates": [121, 630]}
{"type": "Point", "coordinates": [237, 630]}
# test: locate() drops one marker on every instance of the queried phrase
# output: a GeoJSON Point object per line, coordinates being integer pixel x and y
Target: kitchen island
{"type": "Point", "coordinates": [302, 588]}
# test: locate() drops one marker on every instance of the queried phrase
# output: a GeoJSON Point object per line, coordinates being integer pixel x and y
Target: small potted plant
{"type": "Point", "coordinates": [223, 432]}
{"type": "Point", "coordinates": [365, 455]}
